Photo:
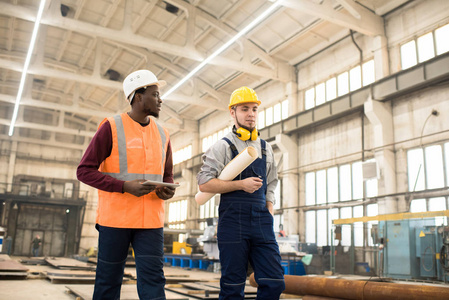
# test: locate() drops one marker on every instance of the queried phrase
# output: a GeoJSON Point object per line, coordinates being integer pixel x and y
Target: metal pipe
{"type": "Point", "coordinates": [310, 297]}
{"type": "Point", "coordinates": [358, 289]}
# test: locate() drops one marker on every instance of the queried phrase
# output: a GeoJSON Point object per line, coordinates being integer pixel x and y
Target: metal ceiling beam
{"type": "Point", "coordinates": [220, 96]}
{"type": "Point", "coordinates": [319, 47]}
{"type": "Point", "coordinates": [283, 72]}
{"type": "Point", "coordinates": [57, 74]}
{"type": "Point", "coordinates": [26, 101]}
{"type": "Point", "coordinates": [196, 100]}
{"type": "Point", "coordinates": [94, 80]}
{"type": "Point", "coordinates": [50, 143]}
{"type": "Point", "coordinates": [53, 18]}
{"type": "Point", "coordinates": [49, 128]}
{"type": "Point", "coordinates": [389, 6]}
{"type": "Point", "coordinates": [78, 110]}
{"type": "Point", "coordinates": [368, 23]}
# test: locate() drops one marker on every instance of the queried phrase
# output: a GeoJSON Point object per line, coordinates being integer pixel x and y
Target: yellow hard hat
{"type": "Point", "coordinates": [243, 95]}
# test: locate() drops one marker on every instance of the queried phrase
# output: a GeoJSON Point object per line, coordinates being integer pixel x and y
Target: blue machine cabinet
{"type": "Point", "coordinates": [411, 249]}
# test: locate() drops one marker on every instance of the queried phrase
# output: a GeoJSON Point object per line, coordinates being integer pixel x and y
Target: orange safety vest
{"type": "Point", "coordinates": [138, 152]}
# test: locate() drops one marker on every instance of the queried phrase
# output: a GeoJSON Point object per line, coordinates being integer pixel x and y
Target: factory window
{"type": "Point", "coordinates": [351, 212]}
{"type": "Point", "coordinates": [182, 155]}
{"type": "Point", "coordinates": [213, 138]}
{"type": "Point", "coordinates": [310, 188]}
{"type": "Point", "coordinates": [408, 55]}
{"type": "Point", "coordinates": [177, 214]}
{"type": "Point", "coordinates": [321, 192]}
{"type": "Point", "coordinates": [310, 226]}
{"type": "Point", "coordinates": [430, 204]}
{"type": "Point", "coordinates": [261, 119]}
{"type": "Point", "coordinates": [426, 169]}
{"type": "Point", "coordinates": [442, 39]}
{"type": "Point", "coordinates": [310, 98]}
{"type": "Point", "coordinates": [343, 84]}
{"type": "Point", "coordinates": [284, 109]}
{"type": "Point", "coordinates": [319, 228]}
{"type": "Point", "coordinates": [358, 227]}
{"type": "Point", "coordinates": [371, 211]}
{"type": "Point", "coordinates": [209, 210]}
{"type": "Point", "coordinates": [369, 75]}
{"type": "Point", "coordinates": [355, 79]}
{"type": "Point", "coordinates": [272, 114]}
{"type": "Point", "coordinates": [269, 116]}
{"type": "Point", "coordinates": [330, 186]}
{"type": "Point", "coordinates": [425, 47]}
{"type": "Point", "coordinates": [320, 94]}
{"type": "Point", "coordinates": [277, 113]}
{"type": "Point", "coordinates": [340, 85]}
{"type": "Point", "coordinates": [336, 184]}
{"type": "Point", "coordinates": [331, 89]}
{"type": "Point", "coordinates": [345, 182]}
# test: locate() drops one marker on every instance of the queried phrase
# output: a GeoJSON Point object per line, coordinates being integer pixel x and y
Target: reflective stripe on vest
{"type": "Point", "coordinates": [123, 156]}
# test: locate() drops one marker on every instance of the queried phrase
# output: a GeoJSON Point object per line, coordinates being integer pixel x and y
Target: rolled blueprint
{"type": "Point", "coordinates": [231, 170]}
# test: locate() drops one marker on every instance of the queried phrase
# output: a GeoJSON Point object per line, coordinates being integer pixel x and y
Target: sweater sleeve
{"type": "Point", "coordinates": [98, 150]}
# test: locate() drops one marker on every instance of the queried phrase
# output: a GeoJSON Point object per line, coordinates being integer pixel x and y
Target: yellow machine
{"type": "Point", "coordinates": [181, 248]}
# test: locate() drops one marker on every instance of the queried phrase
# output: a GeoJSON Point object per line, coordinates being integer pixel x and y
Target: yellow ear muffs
{"type": "Point", "coordinates": [254, 134]}
{"type": "Point", "coordinates": [244, 134]}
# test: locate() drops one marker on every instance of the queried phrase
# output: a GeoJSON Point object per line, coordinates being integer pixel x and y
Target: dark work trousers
{"type": "Point", "coordinates": [113, 245]}
{"type": "Point", "coordinates": [245, 234]}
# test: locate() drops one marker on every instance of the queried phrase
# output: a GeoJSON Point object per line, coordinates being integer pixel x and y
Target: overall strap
{"type": "Point", "coordinates": [264, 150]}
{"type": "Point", "coordinates": [233, 148]}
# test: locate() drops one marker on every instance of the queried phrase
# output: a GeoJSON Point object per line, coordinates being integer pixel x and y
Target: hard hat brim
{"type": "Point", "coordinates": [159, 83]}
{"type": "Point", "coordinates": [240, 103]}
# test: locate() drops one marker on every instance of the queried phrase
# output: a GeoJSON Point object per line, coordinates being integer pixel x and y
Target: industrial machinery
{"type": "Point", "coordinates": [414, 249]}
{"type": "Point", "coordinates": [181, 248]}
{"type": "Point", "coordinates": [209, 239]}
{"type": "Point", "coordinates": [411, 246]}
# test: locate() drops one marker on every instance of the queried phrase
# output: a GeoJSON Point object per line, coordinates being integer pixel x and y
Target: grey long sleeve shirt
{"type": "Point", "coordinates": [220, 154]}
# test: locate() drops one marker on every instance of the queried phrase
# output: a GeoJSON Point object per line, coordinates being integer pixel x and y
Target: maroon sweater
{"type": "Point", "coordinates": [98, 150]}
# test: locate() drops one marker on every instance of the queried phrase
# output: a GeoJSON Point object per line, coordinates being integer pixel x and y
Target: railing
{"type": "Point", "coordinates": [24, 189]}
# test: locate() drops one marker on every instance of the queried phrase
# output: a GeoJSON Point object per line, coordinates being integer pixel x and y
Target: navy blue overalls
{"type": "Point", "coordinates": [245, 233]}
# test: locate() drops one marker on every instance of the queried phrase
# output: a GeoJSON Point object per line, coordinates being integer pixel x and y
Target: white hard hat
{"type": "Point", "coordinates": [139, 79]}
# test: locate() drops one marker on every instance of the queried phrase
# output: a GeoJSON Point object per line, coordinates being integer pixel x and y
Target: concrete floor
{"type": "Point", "coordinates": [38, 287]}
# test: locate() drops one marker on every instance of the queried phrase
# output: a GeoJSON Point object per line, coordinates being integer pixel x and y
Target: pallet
{"type": "Point", "coordinates": [248, 288]}
{"type": "Point", "coordinates": [205, 290]}
{"type": "Point", "coordinates": [11, 269]}
{"type": "Point", "coordinates": [70, 276]}
{"type": "Point", "coordinates": [13, 275]}
{"type": "Point", "coordinates": [68, 264]}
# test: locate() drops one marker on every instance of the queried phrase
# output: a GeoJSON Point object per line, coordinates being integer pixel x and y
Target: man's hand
{"type": "Point", "coordinates": [136, 188]}
{"type": "Point", "coordinates": [270, 207]}
{"type": "Point", "coordinates": [251, 184]}
{"type": "Point", "coordinates": [165, 192]}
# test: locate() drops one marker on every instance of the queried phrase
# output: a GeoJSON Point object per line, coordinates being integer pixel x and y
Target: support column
{"type": "Point", "coordinates": [380, 115]}
{"type": "Point", "coordinates": [290, 184]}
{"type": "Point", "coordinates": [11, 165]}
{"type": "Point", "coordinates": [196, 142]}
{"type": "Point", "coordinates": [381, 60]}
{"type": "Point", "coordinates": [291, 90]}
